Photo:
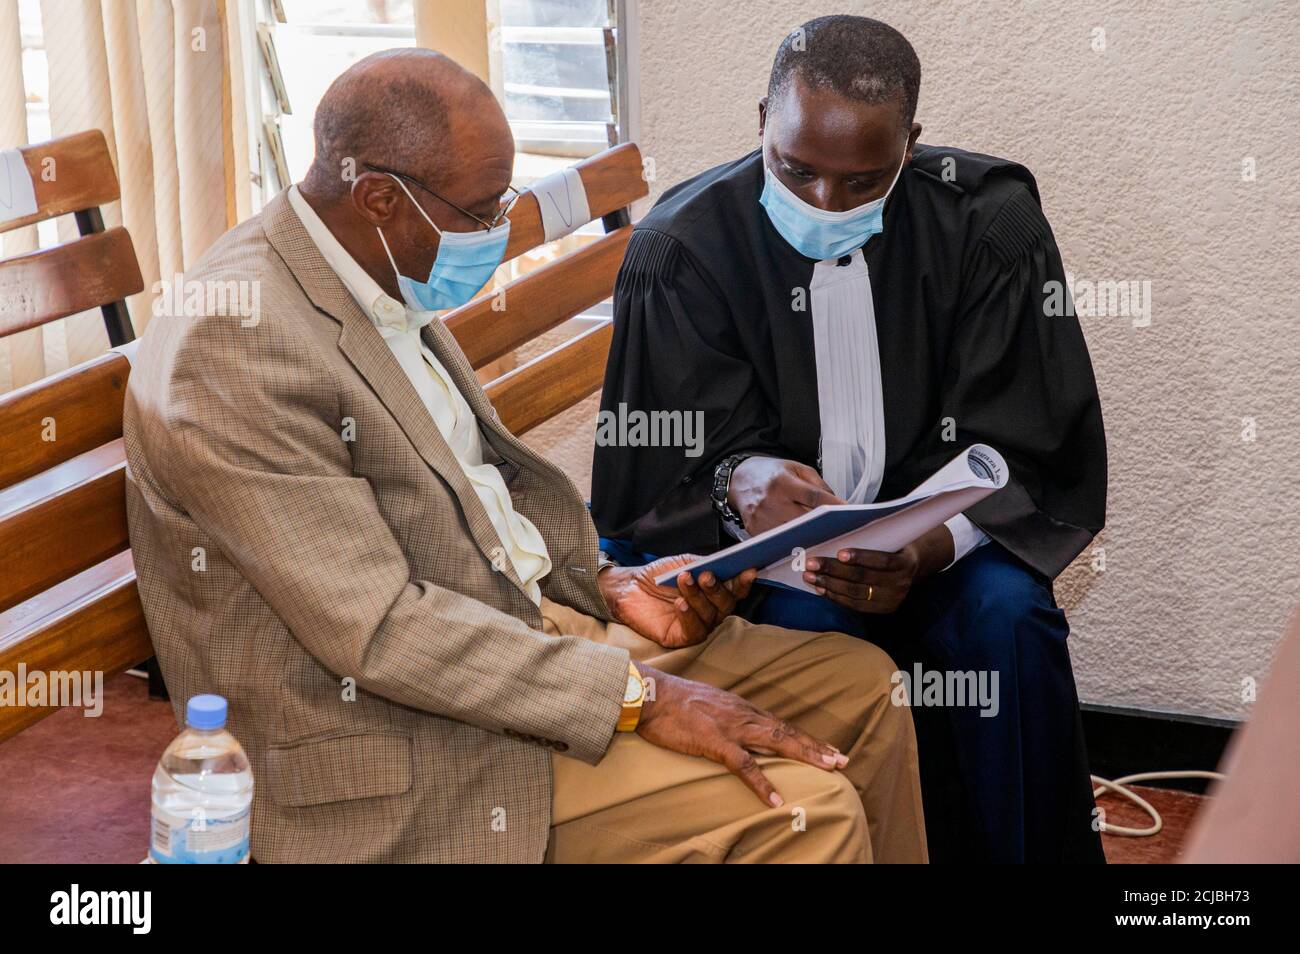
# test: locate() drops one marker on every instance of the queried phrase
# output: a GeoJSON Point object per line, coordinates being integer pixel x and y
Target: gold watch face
{"type": "Point", "coordinates": [633, 691]}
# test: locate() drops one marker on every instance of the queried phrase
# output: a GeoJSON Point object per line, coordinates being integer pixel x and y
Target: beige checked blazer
{"type": "Point", "coordinates": [308, 547]}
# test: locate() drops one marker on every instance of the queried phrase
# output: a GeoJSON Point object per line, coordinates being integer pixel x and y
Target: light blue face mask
{"type": "Point", "coordinates": [465, 262]}
{"type": "Point", "coordinates": [814, 232]}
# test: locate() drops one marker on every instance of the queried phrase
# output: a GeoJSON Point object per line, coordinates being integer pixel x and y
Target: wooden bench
{"type": "Point", "coordinates": [68, 600]}
{"type": "Point", "coordinates": [72, 175]}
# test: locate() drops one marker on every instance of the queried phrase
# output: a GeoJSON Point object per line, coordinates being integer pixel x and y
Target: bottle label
{"type": "Point", "coordinates": [198, 840]}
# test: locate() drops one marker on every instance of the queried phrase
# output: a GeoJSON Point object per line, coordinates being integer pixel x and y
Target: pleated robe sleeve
{"type": "Point", "coordinates": [675, 348]}
{"type": "Point", "coordinates": [1020, 379]}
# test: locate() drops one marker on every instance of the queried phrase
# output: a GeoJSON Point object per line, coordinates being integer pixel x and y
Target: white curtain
{"type": "Point", "coordinates": [152, 75]}
{"type": "Point", "coordinates": [21, 352]}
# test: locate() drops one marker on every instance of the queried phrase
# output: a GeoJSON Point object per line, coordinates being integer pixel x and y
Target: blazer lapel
{"type": "Point", "coordinates": [363, 346]}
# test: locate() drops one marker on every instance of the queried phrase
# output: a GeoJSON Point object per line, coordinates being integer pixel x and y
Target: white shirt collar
{"type": "Point", "coordinates": [386, 312]}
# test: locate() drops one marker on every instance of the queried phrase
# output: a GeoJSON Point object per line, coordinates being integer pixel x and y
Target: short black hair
{"type": "Point", "coordinates": [856, 57]}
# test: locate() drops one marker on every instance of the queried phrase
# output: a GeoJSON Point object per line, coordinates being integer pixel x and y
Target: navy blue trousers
{"type": "Point", "coordinates": [1006, 787]}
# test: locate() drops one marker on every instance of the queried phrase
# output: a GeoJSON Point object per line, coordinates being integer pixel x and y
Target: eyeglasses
{"type": "Point", "coordinates": [493, 223]}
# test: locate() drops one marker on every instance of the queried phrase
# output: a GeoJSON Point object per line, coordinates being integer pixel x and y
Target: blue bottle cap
{"type": "Point", "coordinates": [206, 712]}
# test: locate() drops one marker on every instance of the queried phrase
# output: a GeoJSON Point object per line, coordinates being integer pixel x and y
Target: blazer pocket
{"type": "Point", "coordinates": [339, 769]}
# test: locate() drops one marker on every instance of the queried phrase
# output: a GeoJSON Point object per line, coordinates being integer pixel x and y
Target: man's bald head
{"type": "Point", "coordinates": [408, 109]}
{"type": "Point", "coordinates": [426, 119]}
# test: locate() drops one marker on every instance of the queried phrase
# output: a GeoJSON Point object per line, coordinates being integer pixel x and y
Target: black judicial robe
{"type": "Point", "coordinates": [706, 318]}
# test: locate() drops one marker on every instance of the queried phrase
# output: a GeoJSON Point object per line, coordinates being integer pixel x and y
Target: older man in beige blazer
{"type": "Point", "coordinates": [405, 605]}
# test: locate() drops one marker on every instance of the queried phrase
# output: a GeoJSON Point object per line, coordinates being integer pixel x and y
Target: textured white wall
{"type": "Point", "coordinates": [1138, 150]}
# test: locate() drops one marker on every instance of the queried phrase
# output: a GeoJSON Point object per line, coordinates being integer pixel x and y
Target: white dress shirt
{"type": "Point", "coordinates": [849, 390]}
{"type": "Point", "coordinates": [400, 328]}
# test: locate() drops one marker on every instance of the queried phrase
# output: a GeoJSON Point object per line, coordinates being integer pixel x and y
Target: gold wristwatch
{"type": "Point", "coordinates": [633, 699]}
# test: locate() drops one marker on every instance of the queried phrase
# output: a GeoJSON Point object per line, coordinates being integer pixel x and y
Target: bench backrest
{"type": "Point", "coordinates": [68, 600]}
{"type": "Point", "coordinates": [71, 175]}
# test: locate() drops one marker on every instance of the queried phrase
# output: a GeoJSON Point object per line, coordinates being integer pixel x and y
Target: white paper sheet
{"type": "Point", "coordinates": [17, 194]}
{"type": "Point", "coordinates": [960, 484]}
{"type": "Point", "coordinates": [562, 199]}
{"type": "Point", "coordinates": [887, 525]}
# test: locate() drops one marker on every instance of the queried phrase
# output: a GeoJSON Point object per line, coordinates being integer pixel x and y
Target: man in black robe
{"type": "Point", "coordinates": [847, 309]}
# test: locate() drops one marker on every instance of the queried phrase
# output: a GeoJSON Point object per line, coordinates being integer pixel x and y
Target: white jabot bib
{"type": "Point", "coordinates": [849, 391]}
{"type": "Point", "coordinates": [850, 394]}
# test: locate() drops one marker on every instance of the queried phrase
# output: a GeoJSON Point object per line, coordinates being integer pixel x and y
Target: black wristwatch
{"type": "Point", "coordinates": [722, 486]}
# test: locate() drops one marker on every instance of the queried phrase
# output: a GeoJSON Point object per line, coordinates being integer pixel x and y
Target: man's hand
{"type": "Point", "coordinates": [769, 491]}
{"type": "Point", "coordinates": [870, 581]}
{"type": "Point", "coordinates": [697, 719]}
{"type": "Point", "coordinates": [671, 617]}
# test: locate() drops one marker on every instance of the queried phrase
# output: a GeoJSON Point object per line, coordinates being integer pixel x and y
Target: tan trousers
{"type": "Point", "coordinates": [642, 803]}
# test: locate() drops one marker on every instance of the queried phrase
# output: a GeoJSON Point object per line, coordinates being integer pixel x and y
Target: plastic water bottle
{"type": "Point", "coordinates": [202, 792]}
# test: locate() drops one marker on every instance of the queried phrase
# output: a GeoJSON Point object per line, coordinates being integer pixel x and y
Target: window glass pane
{"type": "Point", "coordinates": [553, 62]}
{"type": "Point", "coordinates": [349, 11]}
{"type": "Point", "coordinates": [550, 13]}
{"type": "Point", "coordinates": [555, 77]}
{"type": "Point", "coordinates": [321, 39]}
{"type": "Point", "coordinates": [563, 81]}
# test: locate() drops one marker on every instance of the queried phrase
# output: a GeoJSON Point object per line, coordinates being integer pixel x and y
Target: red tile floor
{"type": "Point", "coordinates": [74, 789]}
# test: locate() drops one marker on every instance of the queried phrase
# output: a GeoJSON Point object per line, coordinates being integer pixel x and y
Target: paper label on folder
{"type": "Point", "coordinates": [17, 194]}
{"type": "Point", "coordinates": [562, 201]}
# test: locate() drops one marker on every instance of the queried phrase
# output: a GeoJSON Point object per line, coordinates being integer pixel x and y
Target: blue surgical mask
{"type": "Point", "coordinates": [465, 262]}
{"type": "Point", "coordinates": [814, 232]}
